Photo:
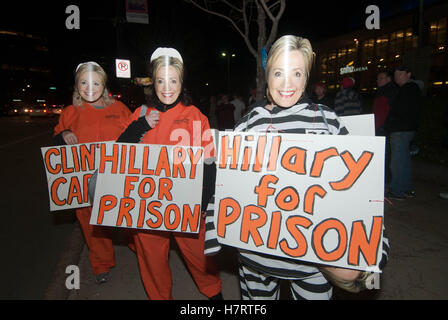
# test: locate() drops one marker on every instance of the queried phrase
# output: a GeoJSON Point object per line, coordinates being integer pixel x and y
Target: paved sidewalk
{"type": "Point", "coordinates": [416, 268]}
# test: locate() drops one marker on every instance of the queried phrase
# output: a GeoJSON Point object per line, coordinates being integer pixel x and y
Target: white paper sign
{"type": "Point", "coordinates": [152, 187]}
{"type": "Point", "coordinates": [360, 125]}
{"type": "Point", "coordinates": [68, 169]}
{"type": "Point", "coordinates": [123, 68]}
{"type": "Point", "coordinates": [315, 198]}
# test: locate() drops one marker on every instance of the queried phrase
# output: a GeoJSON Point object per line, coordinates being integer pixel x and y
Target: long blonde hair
{"type": "Point", "coordinates": [90, 67]}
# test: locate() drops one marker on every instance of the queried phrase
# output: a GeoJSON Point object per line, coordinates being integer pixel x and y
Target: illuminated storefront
{"type": "Point", "coordinates": [363, 53]}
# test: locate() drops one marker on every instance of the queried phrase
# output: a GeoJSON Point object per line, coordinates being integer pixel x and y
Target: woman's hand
{"type": "Point", "coordinates": [153, 118]}
{"type": "Point", "coordinates": [69, 137]}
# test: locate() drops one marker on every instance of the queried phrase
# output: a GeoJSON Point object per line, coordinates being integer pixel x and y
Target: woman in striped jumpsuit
{"type": "Point", "coordinates": [288, 111]}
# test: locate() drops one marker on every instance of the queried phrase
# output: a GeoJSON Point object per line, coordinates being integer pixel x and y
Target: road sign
{"type": "Point", "coordinates": [123, 68]}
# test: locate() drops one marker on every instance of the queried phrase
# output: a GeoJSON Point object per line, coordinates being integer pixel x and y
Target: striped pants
{"type": "Point", "coordinates": [258, 286]}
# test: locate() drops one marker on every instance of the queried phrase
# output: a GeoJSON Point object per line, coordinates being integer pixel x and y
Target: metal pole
{"type": "Point", "coordinates": [228, 73]}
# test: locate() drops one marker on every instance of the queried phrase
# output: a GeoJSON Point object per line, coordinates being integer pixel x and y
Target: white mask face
{"type": "Point", "coordinates": [90, 86]}
{"type": "Point", "coordinates": [167, 84]}
{"type": "Point", "coordinates": [287, 78]}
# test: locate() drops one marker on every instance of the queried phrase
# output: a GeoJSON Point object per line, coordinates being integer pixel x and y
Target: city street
{"type": "Point", "coordinates": [31, 237]}
{"type": "Point", "coordinates": [36, 243]}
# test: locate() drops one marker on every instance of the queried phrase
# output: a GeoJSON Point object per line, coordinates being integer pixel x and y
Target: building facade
{"type": "Point", "coordinates": [363, 53]}
{"type": "Point", "coordinates": [25, 69]}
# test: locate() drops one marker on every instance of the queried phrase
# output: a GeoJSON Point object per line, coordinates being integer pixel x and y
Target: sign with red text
{"type": "Point", "coordinates": [68, 169]}
{"type": "Point", "coordinates": [154, 187]}
{"type": "Point", "coordinates": [313, 198]}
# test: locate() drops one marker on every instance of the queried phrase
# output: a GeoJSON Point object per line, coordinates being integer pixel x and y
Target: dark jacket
{"type": "Point", "coordinates": [404, 112]}
{"type": "Point", "coordinates": [326, 101]}
{"type": "Point", "coordinates": [384, 98]}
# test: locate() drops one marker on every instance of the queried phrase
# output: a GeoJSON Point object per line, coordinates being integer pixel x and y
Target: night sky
{"type": "Point", "coordinates": [198, 36]}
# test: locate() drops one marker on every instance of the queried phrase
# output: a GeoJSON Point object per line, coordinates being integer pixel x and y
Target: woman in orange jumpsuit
{"type": "Point", "coordinates": [93, 116]}
{"type": "Point", "coordinates": [171, 119]}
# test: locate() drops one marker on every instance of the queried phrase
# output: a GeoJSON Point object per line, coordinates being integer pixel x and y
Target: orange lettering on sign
{"type": "Point", "coordinates": [54, 191]}
{"type": "Point", "coordinates": [191, 219]}
{"type": "Point", "coordinates": [302, 246]}
{"type": "Point", "coordinates": [319, 233]}
{"type": "Point", "coordinates": [355, 169]}
{"type": "Point", "coordinates": [310, 196]}
{"type": "Point", "coordinates": [319, 159]}
{"type": "Point", "coordinates": [126, 205]}
{"type": "Point", "coordinates": [294, 160]}
{"type": "Point", "coordinates": [225, 219]}
{"type": "Point", "coordinates": [113, 158]}
{"type": "Point", "coordinates": [107, 202]}
{"type": "Point", "coordinates": [249, 226]}
{"type": "Point", "coordinates": [360, 244]}
{"type": "Point", "coordinates": [48, 154]}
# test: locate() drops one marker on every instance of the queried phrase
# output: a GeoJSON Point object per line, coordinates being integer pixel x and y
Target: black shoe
{"type": "Point", "coordinates": [410, 194]}
{"type": "Point", "coordinates": [217, 297]}
{"type": "Point", "coordinates": [394, 196]}
{"type": "Point", "coordinates": [102, 278]}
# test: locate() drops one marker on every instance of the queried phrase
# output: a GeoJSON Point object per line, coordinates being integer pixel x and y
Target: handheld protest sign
{"type": "Point", "coordinates": [314, 198]}
{"type": "Point", "coordinates": [68, 169]}
{"type": "Point", "coordinates": [360, 125]}
{"type": "Point", "coordinates": [153, 187]}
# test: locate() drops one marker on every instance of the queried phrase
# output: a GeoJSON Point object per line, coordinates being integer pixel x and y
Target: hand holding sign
{"type": "Point", "coordinates": [69, 137]}
{"type": "Point", "coordinates": [320, 202]}
{"type": "Point", "coordinates": [153, 118]}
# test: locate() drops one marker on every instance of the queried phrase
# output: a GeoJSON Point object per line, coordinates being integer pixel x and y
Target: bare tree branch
{"type": "Point", "coordinates": [242, 24]}
{"type": "Point", "coordinates": [219, 15]}
{"type": "Point", "coordinates": [232, 6]}
{"type": "Point", "coordinates": [274, 5]}
{"type": "Point", "coordinates": [275, 21]}
{"type": "Point", "coordinates": [244, 34]}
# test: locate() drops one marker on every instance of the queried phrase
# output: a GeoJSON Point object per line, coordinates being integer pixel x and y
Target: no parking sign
{"type": "Point", "coordinates": [123, 68]}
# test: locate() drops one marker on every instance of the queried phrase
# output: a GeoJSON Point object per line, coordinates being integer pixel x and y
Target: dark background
{"type": "Point", "coordinates": [199, 37]}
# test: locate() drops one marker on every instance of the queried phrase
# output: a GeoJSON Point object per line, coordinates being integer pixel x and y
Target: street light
{"type": "Point", "coordinates": [228, 57]}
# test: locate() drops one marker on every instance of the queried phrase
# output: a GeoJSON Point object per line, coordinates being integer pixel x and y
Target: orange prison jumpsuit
{"type": "Point", "coordinates": [91, 125]}
{"type": "Point", "coordinates": [153, 246]}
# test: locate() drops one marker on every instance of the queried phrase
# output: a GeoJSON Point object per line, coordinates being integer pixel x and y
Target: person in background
{"type": "Point", "coordinates": [402, 124]}
{"type": "Point", "coordinates": [385, 96]}
{"type": "Point", "coordinates": [171, 119]}
{"type": "Point", "coordinates": [224, 113]}
{"type": "Point", "coordinates": [321, 97]}
{"type": "Point", "coordinates": [288, 110]}
{"type": "Point", "coordinates": [347, 101]}
{"type": "Point", "coordinates": [212, 113]}
{"type": "Point", "coordinates": [239, 107]}
{"type": "Point", "coordinates": [93, 116]}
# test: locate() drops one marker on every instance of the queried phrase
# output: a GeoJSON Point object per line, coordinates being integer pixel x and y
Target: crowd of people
{"type": "Point", "coordinates": [95, 116]}
{"type": "Point", "coordinates": [396, 108]}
